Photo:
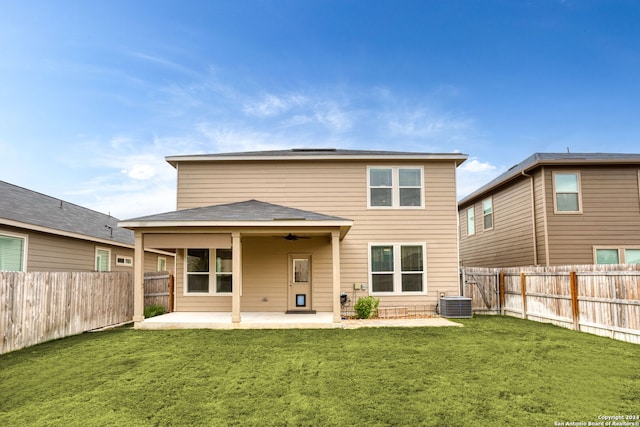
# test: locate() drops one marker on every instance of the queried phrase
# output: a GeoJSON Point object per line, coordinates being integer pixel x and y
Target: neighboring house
{"type": "Point", "coordinates": [555, 209]}
{"type": "Point", "coordinates": [290, 230]}
{"type": "Point", "coordinates": [42, 233]}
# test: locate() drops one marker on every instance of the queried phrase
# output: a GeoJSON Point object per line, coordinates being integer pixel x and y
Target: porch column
{"type": "Point", "coordinates": [335, 252]}
{"type": "Point", "coordinates": [236, 275]}
{"type": "Point", "coordinates": [138, 277]}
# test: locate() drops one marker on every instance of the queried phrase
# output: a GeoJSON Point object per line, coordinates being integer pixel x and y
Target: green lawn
{"type": "Point", "coordinates": [494, 371]}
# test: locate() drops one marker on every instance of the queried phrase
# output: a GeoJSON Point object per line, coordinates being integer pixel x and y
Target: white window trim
{"type": "Point", "coordinates": [493, 216]}
{"type": "Point", "coordinates": [395, 187]}
{"type": "Point", "coordinates": [212, 277]}
{"type": "Point", "coordinates": [95, 258]}
{"type": "Point", "coordinates": [621, 252]}
{"type": "Point", "coordinates": [397, 266]}
{"type": "Point", "coordinates": [25, 245]}
{"type": "Point", "coordinates": [471, 210]}
{"type": "Point", "coordinates": [127, 261]}
{"type": "Point", "coordinates": [555, 199]}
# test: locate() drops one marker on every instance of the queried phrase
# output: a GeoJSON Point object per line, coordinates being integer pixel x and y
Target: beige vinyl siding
{"type": "Point", "coordinates": [510, 241]}
{"type": "Point", "coordinates": [340, 188]}
{"type": "Point", "coordinates": [265, 272]}
{"type": "Point", "coordinates": [151, 261]}
{"type": "Point", "coordinates": [264, 277]}
{"type": "Point", "coordinates": [610, 214]}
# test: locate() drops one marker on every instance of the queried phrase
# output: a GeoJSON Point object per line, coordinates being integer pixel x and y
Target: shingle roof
{"type": "Point", "coordinates": [250, 210]}
{"type": "Point", "coordinates": [29, 207]}
{"type": "Point", "coordinates": [316, 154]}
{"type": "Point", "coordinates": [541, 159]}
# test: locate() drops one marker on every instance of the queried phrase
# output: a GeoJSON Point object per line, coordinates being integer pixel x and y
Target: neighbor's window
{"type": "Point", "coordinates": [617, 256]}
{"type": "Point", "coordinates": [397, 268]}
{"type": "Point", "coordinates": [103, 259]}
{"type": "Point", "coordinates": [12, 252]}
{"type": "Point", "coordinates": [566, 188]}
{"type": "Point", "coordinates": [395, 187]}
{"type": "Point", "coordinates": [471, 221]}
{"type": "Point", "coordinates": [162, 264]}
{"type": "Point", "coordinates": [201, 279]}
{"type": "Point", "coordinates": [632, 256]}
{"type": "Point", "coordinates": [126, 261]}
{"type": "Point", "coordinates": [607, 256]}
{"type": "Point", "coordinates": [487, 213]}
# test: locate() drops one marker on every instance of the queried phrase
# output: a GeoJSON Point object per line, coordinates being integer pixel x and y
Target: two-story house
{"type": "Point", "coordinates": [290, 230]}
{"type": "Point", "coordinates": [555, 209]}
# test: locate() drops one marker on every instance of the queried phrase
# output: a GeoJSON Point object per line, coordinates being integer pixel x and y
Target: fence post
{"type": "Point", "coordinates": [501, 290]}
{"type": "Point", "coordinates": [575, 310]}
{"type": "Point", "coordinates": [523, 290]}
{"type": "Point", "coordinates": [170, 293]}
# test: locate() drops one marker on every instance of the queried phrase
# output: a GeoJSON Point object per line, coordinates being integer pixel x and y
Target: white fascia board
{"type": "Point", "coordinates": [234, 224]}
{"type": "Point", "coordinates": [174, 160]}
{"type": "Point", "coordinates": [62, 233]}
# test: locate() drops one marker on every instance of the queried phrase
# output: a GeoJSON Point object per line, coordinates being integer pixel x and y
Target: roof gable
{"type": "Point", "coordinates": [559, 159]}
{"type": "Point", "coordinates": [250, 210]}
{"type": "Point", "coordinates": [19, 205]}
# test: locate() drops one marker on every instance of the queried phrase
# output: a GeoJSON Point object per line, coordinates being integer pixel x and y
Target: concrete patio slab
{"type": "Point", "coordinates": [211, 320]}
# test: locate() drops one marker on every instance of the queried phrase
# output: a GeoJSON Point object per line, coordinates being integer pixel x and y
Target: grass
{"type": "Point", "coordinates": [494, 371]}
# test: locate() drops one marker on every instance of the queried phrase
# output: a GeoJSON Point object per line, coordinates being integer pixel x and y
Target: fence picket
{"type": "Point", "coordinates": [40, 306]}
{"type": "Point", "coordinates": [599, 299]}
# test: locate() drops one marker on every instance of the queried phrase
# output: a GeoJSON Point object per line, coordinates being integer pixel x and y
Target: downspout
{"type": "Point", "coordinates": [533, 217]}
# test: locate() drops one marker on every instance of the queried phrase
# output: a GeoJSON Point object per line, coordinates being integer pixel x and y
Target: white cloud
{"type": "Point", "coordinates": [474, 165]}
{"type": "Point", "coordinates": [272, 105]}
{"type": "Point", "coordinates": [425, 123]}
{"type": "Point", "coordinates": [473, 174]}
{"type": "Point", "coordinates": [140, 171]}
{"type": "Point", "coordinates": [333, 117]}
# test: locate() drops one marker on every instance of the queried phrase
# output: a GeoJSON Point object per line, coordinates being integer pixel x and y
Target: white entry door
{"type": "Point", "coordinates": [299, 282]}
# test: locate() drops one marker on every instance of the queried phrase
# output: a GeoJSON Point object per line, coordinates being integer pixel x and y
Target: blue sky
{"type": "Point", "coordinates": [94, 94]}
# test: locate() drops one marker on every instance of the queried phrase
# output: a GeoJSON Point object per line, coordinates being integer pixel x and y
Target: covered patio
{"type": "Point", "coordinates": [237, 262]}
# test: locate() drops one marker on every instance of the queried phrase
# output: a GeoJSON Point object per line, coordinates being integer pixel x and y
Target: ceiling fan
{"type": "Point", "coordinates": [292, 237]}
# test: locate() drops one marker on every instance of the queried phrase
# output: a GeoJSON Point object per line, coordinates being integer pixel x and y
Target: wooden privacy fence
{"type": "Point", "coordinates": [158, 289]}
{"type": "Point", "coordinates": [39, 306]}
{"type": "Point", "coordinates": [599, 299]}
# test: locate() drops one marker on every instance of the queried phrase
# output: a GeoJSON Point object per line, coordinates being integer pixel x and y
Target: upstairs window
{"type": "Point", "coordinates": [566, 190]}
{"type": "Point", "coordinates": [471, 221]}
{"type": "Point", "coordinates": [395, 187]}
{"type": "Point", "coordinates": [12, 252]}
{"type": "Point", "coordinates": [487, 213]}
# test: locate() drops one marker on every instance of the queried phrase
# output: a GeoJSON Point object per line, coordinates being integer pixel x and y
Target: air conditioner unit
{"type": "Point", "coordinates": [455, 307]}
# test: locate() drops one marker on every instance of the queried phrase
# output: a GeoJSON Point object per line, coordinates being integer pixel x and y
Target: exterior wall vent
{"type": "Point", "coordinates": [455, 307]}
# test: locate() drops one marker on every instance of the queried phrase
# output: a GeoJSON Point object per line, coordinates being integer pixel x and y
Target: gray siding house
{"type": "Point", "coordinates": [555, 209]}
